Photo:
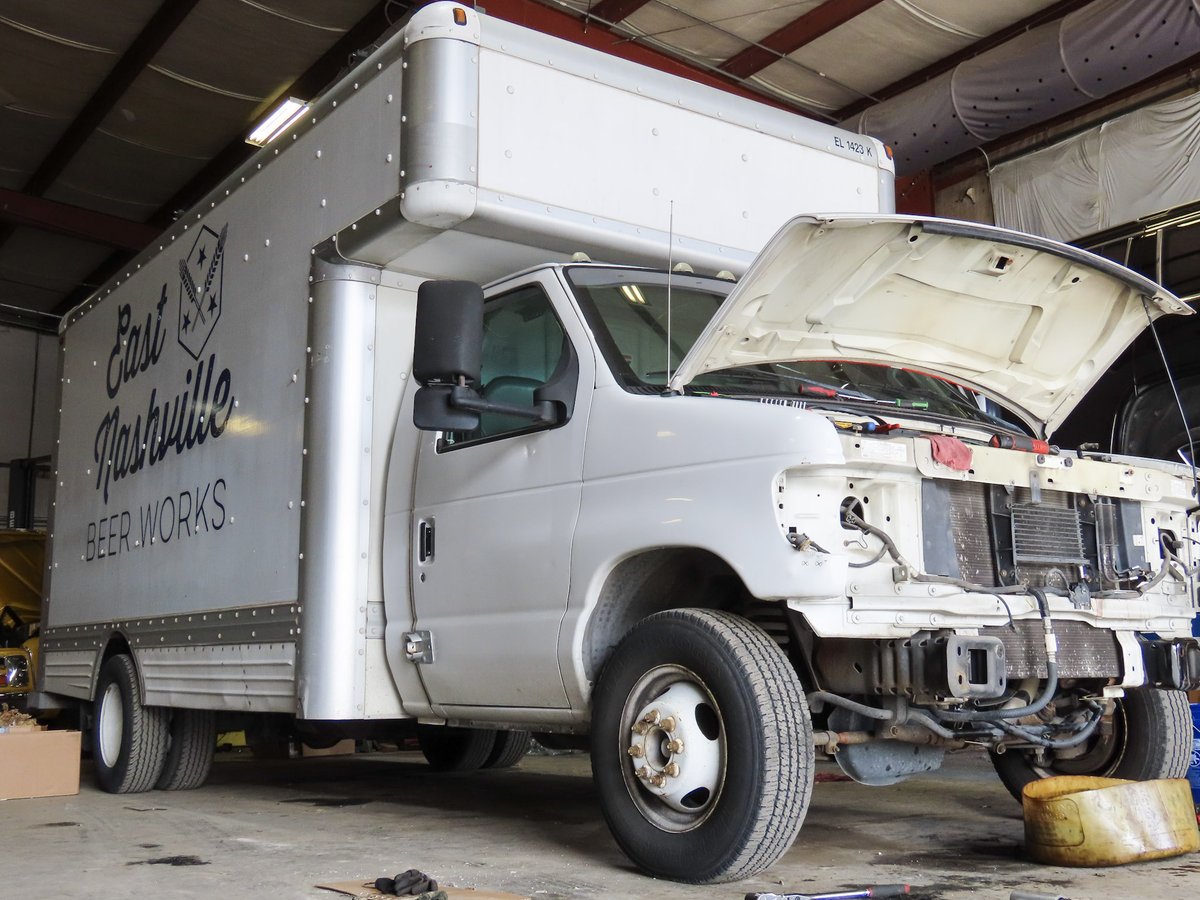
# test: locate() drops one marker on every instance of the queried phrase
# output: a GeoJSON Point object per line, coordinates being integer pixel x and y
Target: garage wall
{"type": "Point", "coordinates": [28, 407]}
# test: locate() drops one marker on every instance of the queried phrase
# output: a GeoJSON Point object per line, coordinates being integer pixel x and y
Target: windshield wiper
{"type": "Point", "coordinates": [806, 387]}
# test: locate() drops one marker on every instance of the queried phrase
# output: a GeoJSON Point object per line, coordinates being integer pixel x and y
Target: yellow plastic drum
{"type": "Point", "coordinates": [1078, 820]}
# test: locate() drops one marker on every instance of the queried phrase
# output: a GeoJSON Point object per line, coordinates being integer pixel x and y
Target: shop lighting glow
{"type": "Point", "coordinates": [633, 294]}
{"type": "Point", "coordinates": [277, 122]}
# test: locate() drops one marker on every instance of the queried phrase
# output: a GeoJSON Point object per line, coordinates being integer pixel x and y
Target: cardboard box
{"type": "Point", "coordinates": [38, 764]}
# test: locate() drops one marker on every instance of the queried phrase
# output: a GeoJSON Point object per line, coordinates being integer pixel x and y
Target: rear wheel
{"type": "Point", "coordinates": [129, 740]}
{"type": "Point", "coordinates": [1148, 736]}
{"type": "Point", "coordinates": [193, 738]}
{"type": "Point", "coordinates": [449, 749]}
{"type": "Point", "coordinates": [510, 749]}
{"type": "Point", "coordinates": [701, 747]}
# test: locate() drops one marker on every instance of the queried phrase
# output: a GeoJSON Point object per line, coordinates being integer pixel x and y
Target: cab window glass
{"type": "Point", "coordinates": [522, 347]}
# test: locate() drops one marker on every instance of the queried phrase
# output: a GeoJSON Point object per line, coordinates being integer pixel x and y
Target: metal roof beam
{"type": "Point", "coordinates": [131, 64]}
{"type": "Point", "coordinates": [614, 11]}
{"type": "Point", "coordinates": [794, 35]}
{"type": "Point", "coordinates": [37, 212]}
{"type": "Point", "coordinates": [314, 79]}
{"type": "Point", "coordinates": [237, 151]}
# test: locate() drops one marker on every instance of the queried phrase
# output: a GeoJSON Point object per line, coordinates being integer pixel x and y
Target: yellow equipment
{"type": "Point", "coordinates": [22, 561]}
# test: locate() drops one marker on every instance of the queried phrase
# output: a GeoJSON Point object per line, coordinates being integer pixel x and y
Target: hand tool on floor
{"type": "Point", "coordinates": [879, 890]}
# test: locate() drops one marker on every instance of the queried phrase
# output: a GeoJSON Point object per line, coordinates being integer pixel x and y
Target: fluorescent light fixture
{"type": "Point", "coordinates": [277, 122]}
{"type": "Point", "coordinates": [633, 294]}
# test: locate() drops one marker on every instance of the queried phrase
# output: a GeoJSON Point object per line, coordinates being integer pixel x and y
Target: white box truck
{"type": "Point", "coordinates": [309, 470]}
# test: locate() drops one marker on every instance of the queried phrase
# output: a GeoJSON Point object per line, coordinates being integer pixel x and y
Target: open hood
{"type": "Point", "coordinates": [1027, 321]}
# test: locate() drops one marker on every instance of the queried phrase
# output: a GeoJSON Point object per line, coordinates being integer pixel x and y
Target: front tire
{"type": "Point", "coordinates": [129, 740]}
{"type": "Point", "coordinates": [1149, 736]}
{"type": "Point", "coordinates": [701, 747]}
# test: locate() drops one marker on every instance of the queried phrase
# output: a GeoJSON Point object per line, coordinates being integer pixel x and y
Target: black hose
{"type": "Point", "coordinates": [889, 545]}
{"type": "Point", "coordinates": [1019, 712]}
{"type": "Point", "coordinates": [926, 722]}
{"type": "Point", "coordinates": [870, 562]}
{"type": "Point", "coordinates": [1062, 744]}
{"type": "Point", "coordinates": [1048, 690]}
{"type": "Point", "coordinates": [871, 712]}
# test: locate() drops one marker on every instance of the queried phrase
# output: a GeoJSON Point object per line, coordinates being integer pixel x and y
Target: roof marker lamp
{"type": "Point", "coordinates": [277, 122]}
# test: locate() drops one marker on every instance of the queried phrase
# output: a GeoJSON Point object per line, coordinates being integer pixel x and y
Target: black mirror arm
{"type": "Point", "coordinates": [464, 397]}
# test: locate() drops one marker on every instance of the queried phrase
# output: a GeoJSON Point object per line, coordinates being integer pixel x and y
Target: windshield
{"type": "Point", "coordinates": [644, 338]}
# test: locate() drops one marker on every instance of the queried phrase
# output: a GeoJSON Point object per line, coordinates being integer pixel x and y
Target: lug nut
{"type": "Point", "coordinates": [672, 770]}
{"type": "Point", "coordinates": [644, 773]}
{"type": "Point", "coordinates": [640, 728]}
{"type": "Point", "coordinates": [651, 717]}
{"type": "Point", "coordinates": [667, 724]}
{"type": "Point", "coordinates": [636, 751]}
{"type": "Point", "coordinates": [675, 746]}
{"type": "Point", "coordinates": [657, 780]}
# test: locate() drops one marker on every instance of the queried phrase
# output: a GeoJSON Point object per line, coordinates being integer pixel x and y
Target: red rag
{"type": "Point", "coordinates": [950, 452]}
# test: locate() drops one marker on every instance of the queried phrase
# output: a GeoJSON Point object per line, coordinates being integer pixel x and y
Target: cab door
{"type": "Point", "coordinates": [495, 510]}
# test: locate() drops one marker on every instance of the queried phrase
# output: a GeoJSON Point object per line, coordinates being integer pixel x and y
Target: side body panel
{"type": "Point", "coordinates": [179, 472]}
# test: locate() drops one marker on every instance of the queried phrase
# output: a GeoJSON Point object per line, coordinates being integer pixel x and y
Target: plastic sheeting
{"type": "Point", "coordinates": [1142, 163]}
{"type": "Point", "coordinates": [1097, 50]}
{"type": "Point", "coordinates": [875, 48]}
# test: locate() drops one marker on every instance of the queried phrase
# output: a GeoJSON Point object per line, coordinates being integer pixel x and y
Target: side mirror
{"type": "Point", "coordinates": [449, 335]}
{"type": "Point", "coordinates": [447, 352]}
{"type": "Point", "coordinates": [448, 359]}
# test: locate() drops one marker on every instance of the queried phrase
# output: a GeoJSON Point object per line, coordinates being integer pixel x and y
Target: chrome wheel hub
{"type": "Point", "coordinates": [675, 748]}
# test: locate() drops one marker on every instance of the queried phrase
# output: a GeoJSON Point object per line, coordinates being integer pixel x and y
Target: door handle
{"type": "Point", "coordinates": [425, 541]}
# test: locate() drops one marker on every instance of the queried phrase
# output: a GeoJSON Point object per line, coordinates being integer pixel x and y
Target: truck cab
{"type": "Point", "coordinates": [849, 461]}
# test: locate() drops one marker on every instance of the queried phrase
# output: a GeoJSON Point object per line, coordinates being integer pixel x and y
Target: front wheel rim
{"type": "Point", "coordinates": [672, 747]}
{"type": "Point", "coordinates": [110, 725]}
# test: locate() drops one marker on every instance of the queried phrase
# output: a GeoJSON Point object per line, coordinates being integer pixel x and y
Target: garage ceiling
{"type": "Point", "coordinates": [115, 117]}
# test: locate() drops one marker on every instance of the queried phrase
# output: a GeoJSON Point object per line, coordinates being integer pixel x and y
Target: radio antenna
{"type": "Point", "coordinates": [670, 275]}
{"type": "Point", "coordinates": [1187, 428]}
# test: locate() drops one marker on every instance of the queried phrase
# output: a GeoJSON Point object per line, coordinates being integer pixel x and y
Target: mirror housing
{"type": "Point", "coordinates": [448, 358]}
{"type": "Point", "coordinates": [448, 346]}
{"type": "Point", "coordinates": [447, 352]}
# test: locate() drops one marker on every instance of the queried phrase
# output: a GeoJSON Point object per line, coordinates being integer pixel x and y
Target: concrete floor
{"type": "Point", "coordinates": [276, 829]}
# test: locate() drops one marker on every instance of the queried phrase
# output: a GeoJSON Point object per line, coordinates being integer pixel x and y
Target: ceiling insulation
{"type": "Point", "coordinates": [136, 109]}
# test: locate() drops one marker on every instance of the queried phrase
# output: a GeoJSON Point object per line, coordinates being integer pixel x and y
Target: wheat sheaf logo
{"type": "Point", "coordinates": [200, 278]}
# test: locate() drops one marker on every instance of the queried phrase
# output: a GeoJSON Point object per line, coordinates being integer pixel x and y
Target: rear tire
{"type": "Point", "coordinates": [193, 738]}
{"type": "Point", "coordinates": [129, 740]}
{"type": "Point", "coordinates": [1149, 737]}
{"type": "Point", "coordinates": [449, 749]}
{"type": "Point", "coordinates": [510, 749]}
{"type": "Point", "coordinates": [721, 769]}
